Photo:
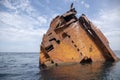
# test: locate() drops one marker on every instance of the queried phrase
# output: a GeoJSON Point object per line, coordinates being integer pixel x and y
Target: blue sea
{"type": "Point", "coordinates": [25, 66]}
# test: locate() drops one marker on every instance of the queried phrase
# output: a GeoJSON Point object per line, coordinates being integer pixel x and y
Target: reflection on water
{"type": "Point", "coordinates": [95, 71]}
{"type": "Point", "coordinates": [24, 66]}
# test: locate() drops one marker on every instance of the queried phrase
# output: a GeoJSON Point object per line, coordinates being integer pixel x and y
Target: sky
{"type": "Point", "coordinates": [23, 22]}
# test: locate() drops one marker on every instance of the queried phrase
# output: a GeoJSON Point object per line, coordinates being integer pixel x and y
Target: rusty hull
{"type": "Point", "coordinates": [70, 39]}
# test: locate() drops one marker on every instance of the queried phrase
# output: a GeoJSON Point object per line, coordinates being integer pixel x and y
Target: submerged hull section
{"type": "Point", "coordinates": [70, 39]}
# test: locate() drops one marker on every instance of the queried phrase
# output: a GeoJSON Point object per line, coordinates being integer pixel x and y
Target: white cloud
{"type": "Point", "coordinates": [7, 4]}
{"type": "Point", "coordinates": [86, 5]}
{"type": "Point", "coordinates": [13, 36]}
{"type": "Point", "coordinates": [16, 25]}
{"type": "Point", "coordinates": [82, 2]}
{"type": "Point", "coordinates": [71, 0]}
{"type": "Point", "coordinates": [18, 30]}
{"type": "Point", "coordinates": [22, 21]}
{"type": "Point", "coordinates": [18, 5]}
{"type": "Point", "coordinates": [108, 19]}
{"type": "Point", "coordinates": [42, 20]}
{"type": "Point", "coordinates": [109, 22]}
{"type": "Point", "coordinates": [19, 8]}
{"type": "Point", "coordinates": [53, 16]}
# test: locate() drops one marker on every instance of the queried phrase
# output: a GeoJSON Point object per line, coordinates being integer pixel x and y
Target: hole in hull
{"type": "Point", "coordinates": [86, 60]}
{"type": "Point", "coordinates": [49, 48]}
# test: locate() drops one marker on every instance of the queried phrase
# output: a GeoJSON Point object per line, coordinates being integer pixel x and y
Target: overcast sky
{"type": "Point", "coordinates": [23, 22]}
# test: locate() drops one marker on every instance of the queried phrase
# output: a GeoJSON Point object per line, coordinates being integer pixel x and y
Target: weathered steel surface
{"type": "Point", "coordinates": [70, 39]}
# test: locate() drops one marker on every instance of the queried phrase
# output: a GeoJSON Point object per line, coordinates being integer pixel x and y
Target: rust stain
{"type": "Point", "coordinates": [70, 39]}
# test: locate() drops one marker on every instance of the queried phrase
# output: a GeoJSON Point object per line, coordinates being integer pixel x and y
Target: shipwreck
{"type": "Point", "coordinates": [74, 40]}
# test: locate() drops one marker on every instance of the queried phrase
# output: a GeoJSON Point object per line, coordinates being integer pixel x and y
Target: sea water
{"type": "Point", "coordinates": [25, 66]}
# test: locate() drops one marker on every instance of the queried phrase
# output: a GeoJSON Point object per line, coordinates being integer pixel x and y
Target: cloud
{"type": "Point", "coordinates": [7, 4]}
{"type": "Point", "coordinates": [42, 20]}
{"type": "Point", "coordinates": [108, 19]}
{"type": "Point", "coordinates": [71, 0]}
{"type": "Point", "coordinates": [18, 5]}
{"type": "Point", "coordinates": [109, 22]}
{"type": "Point", "coordinates": [85, 4]}
{"type": "Point", "coordinates": [21, 21]}
{"type": "Point", "coordinates": [22, 27]}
